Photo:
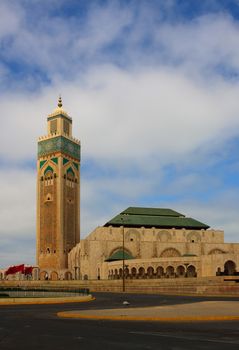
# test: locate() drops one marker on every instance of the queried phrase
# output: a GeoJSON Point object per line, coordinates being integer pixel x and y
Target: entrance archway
{"type": "Point", "coordinates": [229, 268]}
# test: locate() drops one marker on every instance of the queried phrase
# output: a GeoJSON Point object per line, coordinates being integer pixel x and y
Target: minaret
{"type": "Point", "coordinates": [58, 195]}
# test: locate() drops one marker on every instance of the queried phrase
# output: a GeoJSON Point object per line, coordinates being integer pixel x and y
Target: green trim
{"type": "Point", "coordinates": [59, 144]}
{"type": "Point", "coordinates": [49, 168]}
{"type": "Point", "coordinates": [42, 162]}
{"type": "Point", "coordinates": [189, 255]}
{"type": "Point", "coordinates": [120, 255]}
{"type": "Point", "coordinates": [70, 170]}
{"type": "Point", "coordinates": [55, 160]}
{"type": "Point", "coordinates": [76, 165]}
{"type": "Point", "coordinates": [65, 161]}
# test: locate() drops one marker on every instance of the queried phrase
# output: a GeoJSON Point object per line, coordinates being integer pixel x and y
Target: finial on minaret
{"type": "Point", "coordinates": [60, 102]}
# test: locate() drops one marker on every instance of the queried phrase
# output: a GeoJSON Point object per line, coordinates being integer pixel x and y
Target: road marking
{"type": "Point", "coordinates": [212, 340]}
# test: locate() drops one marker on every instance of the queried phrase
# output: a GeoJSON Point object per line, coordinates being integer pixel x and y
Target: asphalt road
{"type": "Point", "coordinates": [38, 327]}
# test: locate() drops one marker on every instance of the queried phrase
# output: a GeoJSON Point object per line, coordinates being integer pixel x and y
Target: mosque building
{"type": "Point", "coordinates": [151, 242]}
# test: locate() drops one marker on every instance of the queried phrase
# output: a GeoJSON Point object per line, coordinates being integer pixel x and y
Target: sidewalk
{"type": "Point", "coordinates": [199, 311]}
{"type": "Point", "coordinates": [52, 300]}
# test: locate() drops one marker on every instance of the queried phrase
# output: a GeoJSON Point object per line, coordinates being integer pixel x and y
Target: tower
{"type": "Point", "coordinates": [58, 194]}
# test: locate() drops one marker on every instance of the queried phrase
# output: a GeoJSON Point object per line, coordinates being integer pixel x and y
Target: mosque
{"type": "Point", "coordinates": [138, 243]}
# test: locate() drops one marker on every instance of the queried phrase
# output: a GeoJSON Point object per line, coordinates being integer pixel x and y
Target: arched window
{"type": "Point", "coordinates": [170, 271]}
{"type": "Point", "coordinates": [70, 178]}
{"type": "Point", "coordinates": [48, 176]}
{"type": "Point", "coordinates": [133, 272]}
{"type": "Point", "coordinates": [150, 272]}
{"type": "Point", "coordinates": [169, 252]}
{"type": "Point", "coordinates": [126, 272]}
{"type": "Point", "coordinates": [141, 272]}
{"type": "Point", "coordinates": [159, 271]}
{"type": "Point", "coordinates": [191, 271]}
{"type": "Point", "coordinates": [180, 271]}
{"type": "Point", "coordinates": [48, 197]}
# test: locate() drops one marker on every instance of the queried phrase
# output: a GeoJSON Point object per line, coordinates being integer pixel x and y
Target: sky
{"type": "Point", "coordinates": [153, 90]}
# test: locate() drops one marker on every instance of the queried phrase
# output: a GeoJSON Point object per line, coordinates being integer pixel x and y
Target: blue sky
{"type": "Point", "coordinates": [152, 87]}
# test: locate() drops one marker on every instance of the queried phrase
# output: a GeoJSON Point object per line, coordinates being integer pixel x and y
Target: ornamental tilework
{"type": "Point", "coordinates": [55, 160]}
{"type": "Point", "coordinates": [42, 162]}
{"type": "Point", "coordinates": [76, 165]}
{"type": "Point", "coordinates": [49, 168]}
{"type": "Point", "coordinates": [65, 161]}
{"type": "Point", "coordinates": [59, 144]}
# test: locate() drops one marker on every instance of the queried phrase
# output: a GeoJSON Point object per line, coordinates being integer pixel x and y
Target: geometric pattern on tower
{"type": "Point", "coordinates": [55, 160]}
{"type": "Point", "coordinates": [59, 144]}
{"type": "Point", "coordinates": [49, 168]}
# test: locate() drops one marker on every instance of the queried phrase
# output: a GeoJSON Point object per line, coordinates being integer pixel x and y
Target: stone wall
{"type": "Point", "coordinates": [146, 245]}
{"type": "Point", "coordinates": [199, 286]}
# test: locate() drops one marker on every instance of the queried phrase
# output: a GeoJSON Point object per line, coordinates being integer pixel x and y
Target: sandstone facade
{"type": "Point", "coordinates": [153, 253]}
{"type": "Point", "coordinates": [58, 195]}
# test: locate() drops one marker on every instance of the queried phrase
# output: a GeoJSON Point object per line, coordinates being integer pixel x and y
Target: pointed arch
{"type": "Point", "coordinates": [69, 171]}
{"type": "Point", "coordinates": [48, 169]}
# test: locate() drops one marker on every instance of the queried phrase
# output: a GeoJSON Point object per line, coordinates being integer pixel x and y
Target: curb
{"type": "Point", "coordinates": [38, 301]}
{"type": "Point", "coordinates": [65, 314]}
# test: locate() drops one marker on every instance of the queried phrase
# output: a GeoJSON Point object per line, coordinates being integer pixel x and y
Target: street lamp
{"type": "Point", "coordinates": [123, 261]}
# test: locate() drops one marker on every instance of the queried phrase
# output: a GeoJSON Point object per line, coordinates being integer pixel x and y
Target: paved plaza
{"type": "Point", "coordinates": [27, 327]}
{"type": "Point", "coordinates": [197, 311]}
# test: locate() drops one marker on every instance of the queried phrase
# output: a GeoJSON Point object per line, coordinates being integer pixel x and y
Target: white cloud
{"type": "Point", "coordinates": [11, 15]}
{"type": "Point", "coordinates": [17, 202]}
{"type": "Point", "coordinates": [207, 41]}
{"type": "Point", "coordinates": [121, 115]}
{"type": "Point", "coordinates": [168, 104]}
{"type": "Point", "coordinates": [219, 212]}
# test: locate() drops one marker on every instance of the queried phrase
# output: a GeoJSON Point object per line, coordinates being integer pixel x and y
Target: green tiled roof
{"type": "Point", "coordinates": [154, 217]}
{"type": "Point", "coordinates": [118, 255]}
{"type": "Point", "coordinates": [150, 211]}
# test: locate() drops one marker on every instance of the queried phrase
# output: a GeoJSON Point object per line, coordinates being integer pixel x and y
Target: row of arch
{"type": "Point", "coordinates": [172, 252]}
{"type": "Point", "coordinates": [165, 236]}
{"type": "Point", "coordinates": [229, 269]}
{"type": "Point", "coordinates": [166, 253]}
{"type": "Point", "coordinates": [54, 276]}
{"type": "Point", "coordinates": [151, 272]}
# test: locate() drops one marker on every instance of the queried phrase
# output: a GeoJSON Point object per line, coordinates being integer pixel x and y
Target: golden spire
{"type": "Point", "coordinates": [60, 102]}
{"type": "Point", "coordinates": [59, 110]}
